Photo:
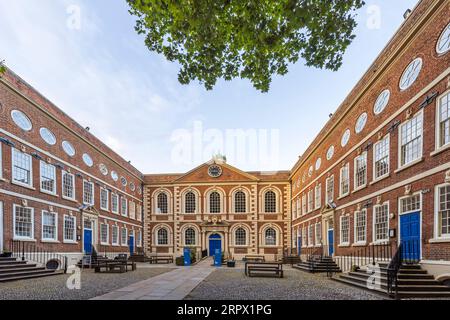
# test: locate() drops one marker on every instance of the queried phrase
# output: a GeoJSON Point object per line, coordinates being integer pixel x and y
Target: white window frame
{"type": "Point", "coordinates": [355, 169]}
{"type": "Point", "coordinates": [327, 187]}
{"type": "Point", "coordinates": [92, 193]}
{"type": "Point", "coordinates": [42, 165]}
{"type": "Point", "coordinates": [29, 185]}
{"type": "Point", "coordinates": [311, 235]}
{"type": "Point", "coordinates": [344, 243]}
{"type": "Point", "coordinates": [101, 199]}
{"type": "Point", "coordinates": [123, 209]}
{"type": "Point", "coordinates": [138, 212]}
{"type": "Point", "coordinates": [124, 240]}
{"type": "Point", "coordinates": [374, 168]}
{"type": "Point", "coordinates": [117, 240]}
{"type": "Point", "coordinates": [107, 234]}
{"type": "Point", "coordinates": [74, 240]}
{"type": "Point", "coordinates": [139, 238]}
{"type": "Point", "coordinates": [310, 200]}
{"type": "Point", "coordinates": [437, 233]}
{"type": "Point", "coordinates": [16, 237]}
{"type": "Point", "coordinates": [117, 198]}
{"type": "Point", "coordinates": [1, 161]}
{"type": "Point", "coordinates": [438, 146]}
{"type": "Point", "coordinates": [318, 196]}
{"type": "Point", "coordinates": [346, 166]}
{"type": "Point", "coordinates": [55, 239]}
{"type": "Point", "coordinates": [400, 138]}
{"type": "Point", "coordinates": [132, 210]}
{"type": "Point", "coordinates": [318, 234]}
{"type": "Point", "coordinates": [374, 235]}
{"type": "Point", "coordinates": [304, 204]}
{"type": "Point", "coordinates": [65, 173]}
{"type": "Point", "coordinates": [157, 237]}
{"type": "Point", "coordinates": [355, 226]}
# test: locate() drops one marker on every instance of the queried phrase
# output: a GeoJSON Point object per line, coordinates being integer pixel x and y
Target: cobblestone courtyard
{"type": "Point", "coordinates": [225, 283]}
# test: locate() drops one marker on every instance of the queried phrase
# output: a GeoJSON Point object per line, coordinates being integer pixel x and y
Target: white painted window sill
{"type": "Point", "coordinates": [359, 244]}
{"type": "Point", "coordinates": [379, 243]}
{"type": "Point", "coordinates": [24, 239]}
{"type": "Point", "coordinates": [49, 193]}
{"type": "Point", "coordinates": [70, 242]}
{"type": "Point", "coordinates": [69, 199]}
{"type": "Point", "coordinates": [50, 241]}
{"type": "Point", "coordinates": [359, 188]}
{"type": "Point", "coordinates": [439, 240]}
{"type": "Point", "coordinates": [23, 185]}
{"type": "Point", "coordinates": [344, 245]}
{"type": "Point", "coordinates": [343, 196]}
{"type": "Point", "coordinates": [440, 150]}
{"type": "Point", "coordinates": [379, 179]}
{"type": "Point", "coordinates": [409, 165]}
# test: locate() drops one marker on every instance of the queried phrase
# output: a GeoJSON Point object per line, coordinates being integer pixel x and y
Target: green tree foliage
{"type": "Point", "coordinates": [2, 67]}
{"type": "Point", "coordinates": [252, 39]}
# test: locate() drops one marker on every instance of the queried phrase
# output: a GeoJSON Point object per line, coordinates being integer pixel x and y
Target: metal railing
{"type": "Point", "coordinates": [28, 251]}
{"type": "Point", "coordinates": [408, 252]}
{"type": "Point", "coordinates": [364, 256]}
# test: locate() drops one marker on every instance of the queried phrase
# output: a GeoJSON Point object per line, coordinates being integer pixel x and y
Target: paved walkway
{"type": "Point", "coordinates": [173, 285]}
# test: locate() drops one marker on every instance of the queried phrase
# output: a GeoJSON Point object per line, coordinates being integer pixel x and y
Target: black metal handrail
{"type": "Point", "coordinates": [31, 252]}
{"type": "Point", "coordinates": [408, 252]}
{"type": "Point", "coordinates": [366, 255]}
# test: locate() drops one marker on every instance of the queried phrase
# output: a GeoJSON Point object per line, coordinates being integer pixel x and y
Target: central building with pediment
{"type": "Point", "coordinates": [216, 205]}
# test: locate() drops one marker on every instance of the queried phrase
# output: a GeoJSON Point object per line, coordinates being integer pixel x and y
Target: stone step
{"type": "Point", "coordinates": [7, 259]}
{"type": "Point", "coordinates": [23, 275]}
{"type": "Point", "coordinates": [362, 285]}
{"type": "Point", "coordinates": [6, 262]}
{"type": "Point", "coordinates": [20, 270]}
{"type": "Point", "coordinates": [30, 276]}
{"type": "Point", "coordinates": [18, 264]}
{"type": "Point", "coordinates": [424, 294]}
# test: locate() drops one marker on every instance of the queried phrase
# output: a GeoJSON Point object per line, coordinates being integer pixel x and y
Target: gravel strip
{"type": "Point", "coordinates": [92, 285]}
{"type": "Point", "coordinates": [232, 284]}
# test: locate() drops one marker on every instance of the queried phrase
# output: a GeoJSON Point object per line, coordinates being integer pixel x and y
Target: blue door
{"type": "Point", "coordinates": [330, 242]}
{"type": "Point", "coordinates": [87, 241]}
{"type": "Point", "coordinates": [410, 236]}
{"type": "Point", "coordinates": [299, 245]}
{"type": "Point", "coordinates": [215, 242]}
{"type": "Point", "coordinates": [131, 244]}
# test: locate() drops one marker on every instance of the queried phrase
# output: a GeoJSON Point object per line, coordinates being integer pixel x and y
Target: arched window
{"type": "Point", "coordinates": [190, 205]}
{"type": "Point", "coordinates": [189, 237]}
{"type": "Point", "coordinates": [163, 237]}
{"type": "Point", "coordinates": [240, 202]}
{"type": "Point", "coordinates": [270, 201]}
{"type": "Point", "coordinates": [214, 202]}
{"type": "Point", "coordinates": [162, 203]}
{"type": "Point", "coordinates": [240, 237]}
{"type": "Point", "coordinates": [270, 237]}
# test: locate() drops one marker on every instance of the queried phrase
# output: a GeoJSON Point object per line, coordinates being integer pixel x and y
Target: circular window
{"type": "Point", "coordinates": [330, 153]}
{"type": "Point", "coordinates": [215, 171]}
{"type": "Point", "coordinates": [88, 160]}
{"type": "Point", "coordinates": [318, 163]}
{"type": "Point", "coordinates": [382, 101]}
{"type": "Point", "coordinates": [304, 177]}
{"type": "Point", "coordinates": [410, 74]}
{"type": "Point", "coordinates": [103, 169]}
{"type": "Point", "coordinates": [68, 148]}
{"type": "Point", "coordinates": [132, 187]}
{"type": "Point", "coordinates": [310, 171]}
{"type": "Point", "coordinates": [47, 136]}
{"type": "Point", "coordinates": [361, 123]}
{"type": "Point", "coordinates": [123, 181]}
{"type": "Point", "coordinates": [443, 44]}
{"type": "Point", "coordinates": [114, 175]}
{"type": "Point", "coordinates": [345, 138]}
{"type": "Point", "coordinates": [21, 120]}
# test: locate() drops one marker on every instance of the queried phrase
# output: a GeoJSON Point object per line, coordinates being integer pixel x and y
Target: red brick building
{"type": "Point", "coordinates": [379, 170]}
{"type": "Point", "coordinates": [218, 206]}
{"type": "Point", "coordinates": [60, 187]}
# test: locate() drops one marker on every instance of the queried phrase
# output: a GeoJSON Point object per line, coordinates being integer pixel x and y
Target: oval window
{"type": "Point", "coordinates": [410, 74]}
{"type": "Point", "coordinates": [310, 171]}
{"type": "Point", "coordinates": [68, 148]}
{"type": "Point", "coordinates": [114, 175]}
{"type": "Point", "coordinates": [345, 138]}
{"type": "Point", "coordinates": [361, 123]}
{"type": "Point", "coordinates": [88, 160]}
{"type": "Point", "coordinates": [103, 169]}
{"type": "Point", "coordinates": [330, 153]}
{"type": "Point", "coordinates": [443, 44]}
{"type": "Point", "coordinates": [123, 181]}
{"type": "Point", "coordinates": [47, 136]}
{"type": "Point", "coordinates": [318, 163]}
{"type": "Point", "coordinates": [21, 120]}
{"type": "Point", "coordinates": [132, 187]}
{"type": "Point", "coordinates": [382, 101]}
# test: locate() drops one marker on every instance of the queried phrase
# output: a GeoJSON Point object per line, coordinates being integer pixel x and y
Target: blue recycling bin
{"type": "Point", "coordinates": [187, 256]}
{"type": "Point", "coordinates": [218, 258]}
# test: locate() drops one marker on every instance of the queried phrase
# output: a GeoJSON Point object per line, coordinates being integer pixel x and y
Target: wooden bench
{"type": "Point", "coordinates": [161, 259]}
{"type": "Point", "coordinates": [254, 258]}
{"type": "Point", "coordinates": [116, 265]}
{"type": "Point", "coordinates": [264, 269]}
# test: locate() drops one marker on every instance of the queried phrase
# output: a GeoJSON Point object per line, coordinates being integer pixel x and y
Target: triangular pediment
{"type": "Point", "coordinates": [228, 173]}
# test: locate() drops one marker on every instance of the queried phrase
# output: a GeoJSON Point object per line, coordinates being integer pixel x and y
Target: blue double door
{"type": "Point", "coordinates": [410, 236]}
{"type": "Point", "coordinates": [215, 242]}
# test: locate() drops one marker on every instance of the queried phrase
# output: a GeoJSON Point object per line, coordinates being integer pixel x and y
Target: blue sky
{"type": "Point", "coordinates": [85, 56]}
